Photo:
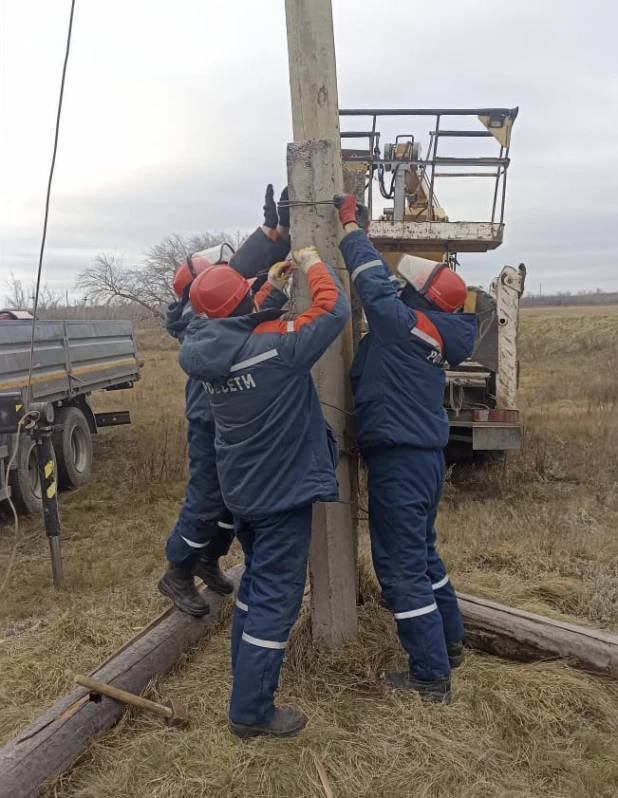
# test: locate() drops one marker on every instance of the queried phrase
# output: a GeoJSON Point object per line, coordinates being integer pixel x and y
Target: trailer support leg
{"type": "Point", "coordinates": [49, 495]}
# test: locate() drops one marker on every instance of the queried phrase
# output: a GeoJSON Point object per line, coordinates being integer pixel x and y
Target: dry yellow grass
{"type": "Point", "coordinates": [538, 533]}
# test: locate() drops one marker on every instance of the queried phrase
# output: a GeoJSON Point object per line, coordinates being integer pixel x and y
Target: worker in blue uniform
{"type": "Point", "coordinates": [402, 427]}
{"type": "Point", "coordinates": [204, 530]}
{"type": "Point", "coordinates": [276, 456]}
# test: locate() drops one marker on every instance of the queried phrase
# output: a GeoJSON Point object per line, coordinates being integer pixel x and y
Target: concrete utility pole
{"type": "Point", "coordinates": [315, 173]}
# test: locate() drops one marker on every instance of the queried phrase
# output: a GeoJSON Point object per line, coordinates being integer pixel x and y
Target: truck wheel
{"type": "Point", "coordinates": [24, 480]}
{"type": "Point", "coordinates": [73, 447]}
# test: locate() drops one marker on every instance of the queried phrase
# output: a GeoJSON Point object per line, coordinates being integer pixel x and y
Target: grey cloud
{"type": "Point", "coordinates": [225, 131]}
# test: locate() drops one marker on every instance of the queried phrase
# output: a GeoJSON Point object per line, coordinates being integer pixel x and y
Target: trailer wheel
{"type": "Point", "coordinates": [73, 447]}
{"type": "Point", "coordinates": [24, 479]}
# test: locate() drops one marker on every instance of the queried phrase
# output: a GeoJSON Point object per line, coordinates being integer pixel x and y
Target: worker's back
{"type": "Point", "coordinates": [275, 451]}
{"type": "Point", "coordinates": [398, 384]}
{"type": "Point", "coordinates": [397, 375]}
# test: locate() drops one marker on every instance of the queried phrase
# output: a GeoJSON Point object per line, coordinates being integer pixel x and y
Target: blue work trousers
{"type": "Point", "coordinates": [269, 598]}
{"type": "Point", "coordinates": [405, 485]}
{"type": "Point", "coordinates": [204, 525]}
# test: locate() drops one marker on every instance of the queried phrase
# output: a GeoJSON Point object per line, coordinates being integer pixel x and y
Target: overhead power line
{"type": "Point", "coordinates": [28, 416]}
{"type": "Point", "coordinates": [48, 196]}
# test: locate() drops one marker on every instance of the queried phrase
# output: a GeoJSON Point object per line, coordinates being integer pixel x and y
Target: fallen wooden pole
{"type": "Point", "coordinates": [51, 744]}
{"type": "Point", "coordinates": [524, 636]}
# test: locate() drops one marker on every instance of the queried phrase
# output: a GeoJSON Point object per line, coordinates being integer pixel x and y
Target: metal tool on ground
{"type": "Point", "coordinates": [174, 713]}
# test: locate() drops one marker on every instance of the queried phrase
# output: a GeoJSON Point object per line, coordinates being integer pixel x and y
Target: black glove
{"type": "Point", "coordinates": [284, 208]}
{"type": "Point", "coordinates": [270, 209]}
{"type": "Point", "coordinates": [362, 216]}
{"type": "Point", "coordinates": [256, 254]}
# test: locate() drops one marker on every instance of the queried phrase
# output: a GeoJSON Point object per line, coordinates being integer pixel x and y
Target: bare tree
{"type": "Point", "coordinates": [20, 297]}
{"type": "Point", "coordinates": [15, 299]}
{"type": "Point", "coordinates": [108, 281]}
{"type": "Point", "coordinates": [49, 299]}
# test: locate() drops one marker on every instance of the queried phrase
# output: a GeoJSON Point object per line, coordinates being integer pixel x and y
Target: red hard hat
{"type": "Point", "coordinates": [188, 271]}
{"type": "Point", "coordinates": [437, 282]}
{"type": "Point", "coordinates": [218, 291]}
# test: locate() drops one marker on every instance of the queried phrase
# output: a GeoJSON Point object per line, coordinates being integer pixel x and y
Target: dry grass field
{"type": "Point", "coordinates": [571, 310]}
{"type": "Point", "coordinates": [538, 533]}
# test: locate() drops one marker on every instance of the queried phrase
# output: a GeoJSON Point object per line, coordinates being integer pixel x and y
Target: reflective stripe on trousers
{"type": "Point", "coordinates": [401, 616]}
{"type": "Point", "coordinates": [193, 545]}
{"type": "Point", "coordinates": [255, 641]}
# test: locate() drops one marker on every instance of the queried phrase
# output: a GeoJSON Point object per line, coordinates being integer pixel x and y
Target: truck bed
{"type": "Point", "coordinates": [70, 357]}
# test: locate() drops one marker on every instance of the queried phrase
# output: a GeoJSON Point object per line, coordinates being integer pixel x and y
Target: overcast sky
{"type": "Point", "coordinates": [177, 114]}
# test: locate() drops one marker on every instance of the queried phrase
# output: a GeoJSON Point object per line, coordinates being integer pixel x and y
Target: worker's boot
{"type": "Point", "coordinates": [455, 654]}
{"type": "Point", "coordinates": [208, 570]}
{"type": "Point", "coordinates": [178, 585]}
{"type": "Point", "coordinates": [286, 722]}
{"type": "Point", "coordinates": [439, 691]}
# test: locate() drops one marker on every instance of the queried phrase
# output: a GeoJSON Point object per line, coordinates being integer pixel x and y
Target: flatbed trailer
{"type": "Point", "coordinates": [71, 360]}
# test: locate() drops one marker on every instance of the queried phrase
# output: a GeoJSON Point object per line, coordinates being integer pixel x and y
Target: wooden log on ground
{"type": "Point", "coordinates": [524, 636]}
{"type": "Point", "coordinates": [51, 744]}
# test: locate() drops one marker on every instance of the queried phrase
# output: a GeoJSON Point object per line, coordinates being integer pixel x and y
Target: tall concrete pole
{"type": "Point", "coordinates": [315, 173]}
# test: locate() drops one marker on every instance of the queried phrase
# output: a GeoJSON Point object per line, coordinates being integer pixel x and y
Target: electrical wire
{"type": "Point", "coordinates": [34, 415]}
{"type": "Point", "coordinates": [47, 200]}
{"type": "Point", "coordinates": [334, 407]}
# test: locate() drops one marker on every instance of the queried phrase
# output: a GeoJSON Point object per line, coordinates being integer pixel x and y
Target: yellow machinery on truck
{"type": "Point", "coordinates": [481, 394]}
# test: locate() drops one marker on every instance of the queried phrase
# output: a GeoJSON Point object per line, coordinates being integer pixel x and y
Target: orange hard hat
{"type": "Point", "coordinates": [218, 291]}
{"type": "Point", "coordinates": [435, 281]}
{"type": "Point", "coordinates": [187, 272]}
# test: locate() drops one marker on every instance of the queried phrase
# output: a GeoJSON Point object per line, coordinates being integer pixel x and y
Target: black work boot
{"type": "Point", "coordinates": [439, 691]}
{"type": "Point", "coordinates": [286, 722]}
{"type": "Point", "coordinates": [178, 585]}
{"type": "Point", "coordinates": [455, 654]}
{"type": "Point", "coordinates": [207, 568]}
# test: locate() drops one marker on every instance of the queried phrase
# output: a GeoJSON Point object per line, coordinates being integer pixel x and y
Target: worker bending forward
{"type": "Point", "coordinates": [205, 527]}
{"type": "Point", "coordinates": [276, 456]}
{"type": "Point", "coordinates": [402, 428]}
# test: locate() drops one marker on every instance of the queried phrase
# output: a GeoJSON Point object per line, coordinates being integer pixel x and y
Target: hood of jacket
{"type": "Point", "coordinates": [457, 330]}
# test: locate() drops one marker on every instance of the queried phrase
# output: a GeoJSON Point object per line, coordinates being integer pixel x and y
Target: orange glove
{"type": "Point", "coordinates": [351, 210]}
